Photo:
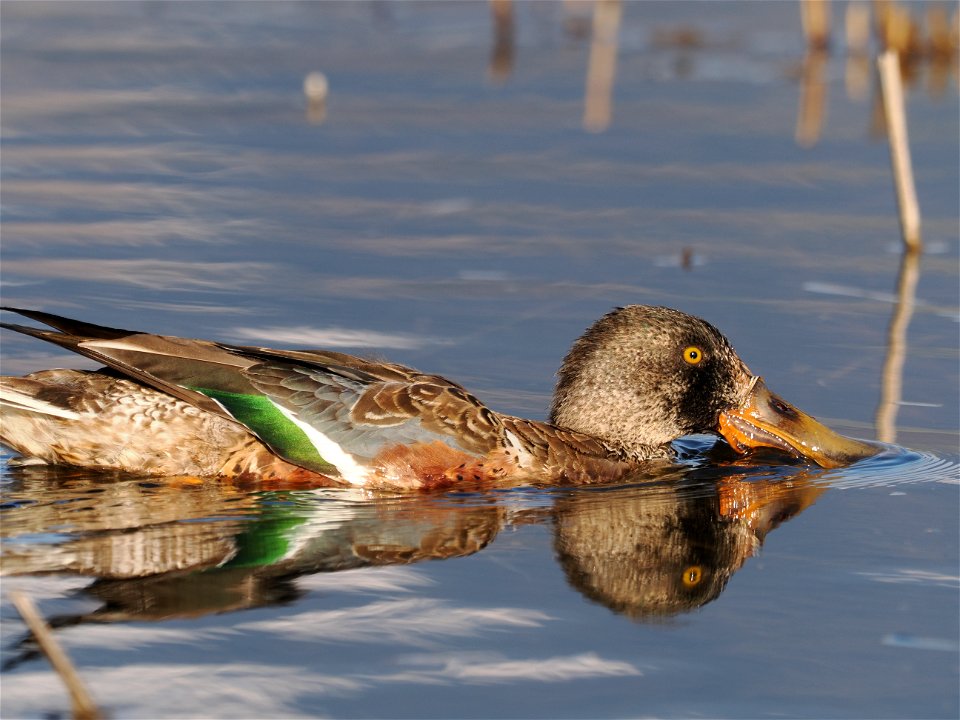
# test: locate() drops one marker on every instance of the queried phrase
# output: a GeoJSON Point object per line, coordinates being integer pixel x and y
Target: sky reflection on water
{"type": "Point", "coordinates": [161, 171]}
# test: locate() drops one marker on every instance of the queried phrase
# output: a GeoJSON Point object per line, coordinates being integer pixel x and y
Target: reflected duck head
{"type": "Point", "coordinates": [652, 551]}
{"type": "Point", "coordinates": [642, 376]}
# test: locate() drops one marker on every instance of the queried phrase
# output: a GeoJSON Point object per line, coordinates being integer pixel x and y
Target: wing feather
{"type": "Point", "coordinates": [367, 417]}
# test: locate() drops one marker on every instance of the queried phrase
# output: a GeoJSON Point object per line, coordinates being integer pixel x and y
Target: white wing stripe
{"type": "Point", "coordinates": [349, 469]}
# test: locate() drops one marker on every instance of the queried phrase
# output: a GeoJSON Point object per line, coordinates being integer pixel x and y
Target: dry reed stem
{"type": "Point", "coordinates": [602, 66]}
{"type": "Point", "coordinates": [890, 83]}
{"type": "Point", "coordinates": [83, 706]}
{"type": "Point", "coordinates": [857, 27]}
{"type": "Point", "coordinates": [501, 57]}
{"type": "Point", "coordinates": [815, 16]}
{"type": "Point", "coordinates": [813, 99]}
{"type": "Point", "coordinates": [857, 71]}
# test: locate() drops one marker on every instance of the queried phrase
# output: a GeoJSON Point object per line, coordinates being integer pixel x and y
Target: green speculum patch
{"type": "Point", "coordinates": [258, 413]}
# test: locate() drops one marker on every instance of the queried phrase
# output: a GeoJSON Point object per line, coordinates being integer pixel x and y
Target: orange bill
{"type": "Point", "coordinates": [765, 420]}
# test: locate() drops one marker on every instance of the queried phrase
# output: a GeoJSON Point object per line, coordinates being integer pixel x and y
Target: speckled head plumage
{"type": "Point", "coordinates": [642, 376]}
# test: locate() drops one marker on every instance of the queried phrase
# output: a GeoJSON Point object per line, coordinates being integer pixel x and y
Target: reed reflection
{"type": "Point", "coordinates": [813, 97]}
{"type": "Point", "coordinates": [894, 29]}
{"type": "Point", "coordinates": [646, 551]}
{"type": "Point", "coordinates": [891, 378]}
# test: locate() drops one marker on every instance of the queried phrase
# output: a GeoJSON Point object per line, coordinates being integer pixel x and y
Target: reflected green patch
{"type": "Point", "coordinates": [267, 540]}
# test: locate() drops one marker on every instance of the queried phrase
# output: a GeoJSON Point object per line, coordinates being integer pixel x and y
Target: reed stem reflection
{"type": "Point", "coordinates": [891, 378]}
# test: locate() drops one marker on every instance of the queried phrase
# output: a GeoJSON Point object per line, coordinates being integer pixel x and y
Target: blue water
{"type": "Point", "coordinates": [161, 171]}
{"type": "Point", "coordinates": [548, 602]}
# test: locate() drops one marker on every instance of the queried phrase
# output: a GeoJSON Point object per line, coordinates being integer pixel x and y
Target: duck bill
{"type": "Point", "coordinates": [765, 420]}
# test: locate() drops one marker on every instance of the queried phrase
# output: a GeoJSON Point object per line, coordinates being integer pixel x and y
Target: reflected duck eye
{"type": "Point", "coordinates": [692, 576]}
{"type": "Point", "coordinates": [692, 355]}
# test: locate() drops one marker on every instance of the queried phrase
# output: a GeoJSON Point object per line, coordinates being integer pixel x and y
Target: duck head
{"type": "Point", "coordinates": [643, 376]}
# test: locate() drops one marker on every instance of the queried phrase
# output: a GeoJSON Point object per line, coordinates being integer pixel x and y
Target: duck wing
{"type": "Point", "coordinates": [163, 363]}
{"type": "Point", "coordinates": [324, 411]}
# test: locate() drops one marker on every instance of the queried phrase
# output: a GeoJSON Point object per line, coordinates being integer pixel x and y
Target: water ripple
{"type": "Point", "coordinates": [896, 466]}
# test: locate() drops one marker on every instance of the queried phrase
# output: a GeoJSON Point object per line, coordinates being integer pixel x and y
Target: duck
{"type": "Point", "coordinates": [638, 378]}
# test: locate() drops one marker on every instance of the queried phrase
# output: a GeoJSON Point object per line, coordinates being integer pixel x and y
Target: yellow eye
{"type": "Point", "coordinates": [692, 355]}
{"type": "Point", "coordinates": [692, 576]}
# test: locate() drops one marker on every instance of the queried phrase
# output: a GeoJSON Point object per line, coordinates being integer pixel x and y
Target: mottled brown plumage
{"type": "Point", "coordinates": [638, 378]}
{"type": "Point", "coordinates": [108, 422]}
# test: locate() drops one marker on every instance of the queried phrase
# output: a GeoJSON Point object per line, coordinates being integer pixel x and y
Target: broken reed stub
{"type": "Point", "coordinates": [893, 106]}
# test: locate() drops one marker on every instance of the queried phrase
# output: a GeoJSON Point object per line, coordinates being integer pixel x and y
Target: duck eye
{"type": "Point", "coordinates": [692, 355]}
{"type": "Point", "coordinates": [692, 576]}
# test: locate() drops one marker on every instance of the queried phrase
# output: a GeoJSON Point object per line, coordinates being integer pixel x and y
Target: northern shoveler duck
{"type": "Point", "coordinates": [638, 378]}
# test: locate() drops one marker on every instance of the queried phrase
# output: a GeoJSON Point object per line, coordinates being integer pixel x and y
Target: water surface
{"type": "Point", "coordinates": [162, 170]}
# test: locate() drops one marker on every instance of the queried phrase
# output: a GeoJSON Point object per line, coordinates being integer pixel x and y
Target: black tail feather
{"type": "Point", "coordinates": [67, 325]}
{"type": "Point", "coordinates": [81, 337]}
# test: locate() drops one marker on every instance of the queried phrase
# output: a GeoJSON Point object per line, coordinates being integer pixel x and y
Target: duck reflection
{"type": "Point", "coordinates": [669, 550]}
{"type": "Point", "coordinates": [189, 548]}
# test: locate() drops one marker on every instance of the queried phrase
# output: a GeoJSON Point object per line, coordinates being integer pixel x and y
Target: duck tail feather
{"type": "Point", "coordinates": [67, 325]}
